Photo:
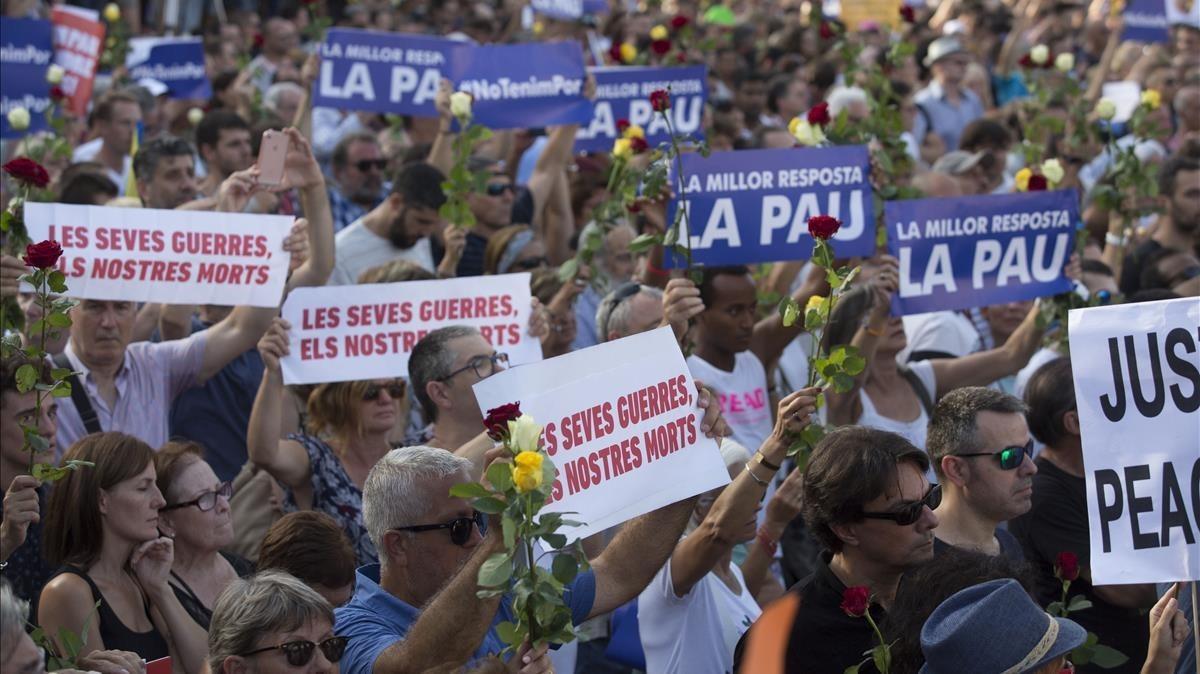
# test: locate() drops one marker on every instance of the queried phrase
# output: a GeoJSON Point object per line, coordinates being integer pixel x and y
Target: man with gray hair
{"type": "Point", "coordinates": [630, 309]}
{"type": "Point", "coordinates": [982, 452]}
{"type": "Point", "coordinates": [283, 100]}
{"type": "Point", "coordinates": [431, 547]}
{"type": "Point", "coordinates": [616, 263]}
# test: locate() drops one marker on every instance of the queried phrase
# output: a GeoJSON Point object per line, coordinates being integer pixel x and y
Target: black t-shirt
{"type": "Point", "coordinates": [824, 639]}
{"type": "Point", "coordinates": [1131, 268]}
{"type": "Point", "coordinates": [1058, 522]}
{"type": "Point", "coordinates": [1009, 547]}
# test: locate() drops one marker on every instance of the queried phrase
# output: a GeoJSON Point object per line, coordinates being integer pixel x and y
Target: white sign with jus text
{"type": "Point", "coordinates": [622, 426]}
{"type": "Point", "coordinates": [173, 257]}
{"type": "Point", "coordinates": [349, 333]}
{"type": "Point", "coordinates": [1137, 390]}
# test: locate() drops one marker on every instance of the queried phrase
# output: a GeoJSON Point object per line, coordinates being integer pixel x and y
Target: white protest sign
{"type": "Point", "coordinates": [621, 425]}
{"type": "Point", "coordinates": [1125, 95]}
{"type": "Point", "coordinates": [174, 257]}
{"type": "Point", "coordinates": [349, 333]}
{"type": "Point", "coordinates": [1137, 389]}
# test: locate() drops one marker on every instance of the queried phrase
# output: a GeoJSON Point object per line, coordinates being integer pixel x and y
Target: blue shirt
{"type": "Point", "coordinates": [344, 211]}
{"type": "Point", "coordinates": [586, 306]}
{"type": "Point", "coordinates": [945, 118]}
{"type": "Point", "coordinates": [375, 619]}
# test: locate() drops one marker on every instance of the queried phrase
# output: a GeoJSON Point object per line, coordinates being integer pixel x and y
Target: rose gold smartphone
{"type": "Point", "coordinates": [271, 153]}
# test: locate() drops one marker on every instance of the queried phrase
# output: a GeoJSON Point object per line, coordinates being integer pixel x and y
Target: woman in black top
{"type": "Point", "coordinates": [102, 528]}
{"type": "Point", "coordinates": [197, 517]}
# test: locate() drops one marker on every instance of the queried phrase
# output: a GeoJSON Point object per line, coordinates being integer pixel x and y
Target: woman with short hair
{"type": "Point", "coordinates": [310, 546]}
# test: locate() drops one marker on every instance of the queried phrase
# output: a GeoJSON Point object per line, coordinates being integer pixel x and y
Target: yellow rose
{"type": "Point", "coordinates": [628, 52]}
{"type": "Point", "coordinates": [807, 134]}
{"type": "Point", "coordinates": [658, 33]}
{"type": "Point", "coordinates": [527, 471]}
{"type": "Point", "coordinates": [793, 124]}
{"type": "Point", "coordinates": [1053, 170]}
{"type": "Point", "coordinates": [524, 434]}
{"type": "Point", "coordinates": [634, 131]}
{"type": "Point", "coordinates": [1022, 179]}
{"type": "Point", "coordinates": [538, 27]}
{"type": "Point", "coordinates": [112, 12]}
{"type": "Point", "coordinates": [622, 149]}
{"type": "Point", "coordinates": [1106, 109]}
{"type": "Point", "coordinates": [814, 302]}
{"type": "Point", "coordinates": [1151, 99]}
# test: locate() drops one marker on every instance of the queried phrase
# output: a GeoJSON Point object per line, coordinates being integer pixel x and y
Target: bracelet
{"type": "Point", "coordinates": [1114, 240]}
{"type": "Point", "coordinates": [764, 539]}
{"type": "Point", "coordinates": [762, 458]}
{"type": "Point", "coordinates": [757, 479]}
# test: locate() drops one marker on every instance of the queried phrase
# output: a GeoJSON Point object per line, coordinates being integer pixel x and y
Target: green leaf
{"type": "Point", "coordinates": [57, 320]}
{"type": "Point", "coordinates": [842, 382]}
{"type": "Point", "coordinates": [26, 377]}
{"type": "Point", "coordinates": [58, 281]}
{"type": "Point", "coordinates": [882, 658]}
{"type": "Point", "coordinates": [496, 570]}
{"type": "Point", "coordinates": [509, 528]}
{"type": "Point", "coordinates": [499, 474]}
{"type": "Point", "coordinates": [789, 311]}
{"type": "Point", "coordinates": [1108, 657]}
{"type": "Point", "coordinates": [854, 365]}
{"type": "Point", "coordinates": [509, 633]}
{"type": "Point", "coordinates": [490, 505]}
{"type": "Point", "coordinates": [565, 567]}
{"type": "Point", "coordinates": [852, 669]}
{"type": "Point", "coordinates": [1078, 603]}
{"type": "Point", "coordinates": [469, 490]}
{"type": "Point", "coordinates": [568, 270]}
{"type": "Point", "coordinates": [62, 389]}
{"type": "Point", "coordinates": [645, 242]}
{"type": "Point", "coordinates": [555, 541]}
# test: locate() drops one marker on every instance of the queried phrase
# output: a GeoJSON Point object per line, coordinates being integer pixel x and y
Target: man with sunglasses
{"type": "Point", "coordinates": [357, 167]}
{"type": "Point", "coordinates": [867, 500]}
{"type": "Point", "coordinates": [982, 453]}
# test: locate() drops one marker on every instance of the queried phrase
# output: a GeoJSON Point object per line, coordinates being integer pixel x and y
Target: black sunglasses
{"type": "Point", "coordinates": [484, 366]}
{"type": "Point", "coordinates": [1009, 457]}
{"type": "Point", "coordinates": [460, 527]}
{"type": "Point", "coordinates": [365, 165]}
{"type": "Point", "coordinates": [531, 263]}
{"type": "Point", "coordinates": [496, 189]}
{"type": "Point", "coordinates": [299, 653]}
{"type": "Point", "coordinates": [395, 391]}
{"type": "Point", "coordinates": [206, 501]}
{"type": "Point", "coordinates": [911, 512]}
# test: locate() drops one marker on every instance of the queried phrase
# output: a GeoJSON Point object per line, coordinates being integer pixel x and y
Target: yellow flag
{"type": "Point", "coordinates": [131, 181]}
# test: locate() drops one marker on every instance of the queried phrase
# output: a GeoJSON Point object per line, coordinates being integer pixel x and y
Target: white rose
{"type": "Point", "coordinates": [460, 104]}
{"type": "Point", "coordinates": [54, 74]}
{"type": "Point", "coordinates": [525, 433]}
{"type": "Point", "coordinates": [1106, 109]}
{"type": "Point", "coordinates": [809, 135]}
{"type": "Point", "coordinates": [18, 119]}
{"type": "Point", "coordinates": [1065, 62]}
{"type": "Point", "coordinates": [1039, 54]}
{"type": "Point", "coordinates": [195, 115]}
{"type": "Point", "coordinates": [1053, 170]}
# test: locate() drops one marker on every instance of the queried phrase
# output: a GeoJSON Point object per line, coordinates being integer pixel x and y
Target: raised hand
{"type": "Point", "coordinates": [274, 344]}
{"type": "Point", "coordinates": [20, 510]}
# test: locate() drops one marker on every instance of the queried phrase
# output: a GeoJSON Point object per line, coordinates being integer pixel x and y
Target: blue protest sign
{"type": "Point", "coordinates": [753, 205]}
{"type": "Point", "coordinates": [177, 62]}
{"type": "Point", "coordinates": [624, 93]}
{"type": "Point", "coordinates": [382, 72]}
{"type": "Point", "coordinates": [1145, 21]}
{"type": "Point", "coordinates": [568, 9]}
{"type": "Point", "coordinates": [967, 252]}
{"type": "Point", "coordinates": [521, 86]}
{"type": "Point", "coordinates": [25, 54]}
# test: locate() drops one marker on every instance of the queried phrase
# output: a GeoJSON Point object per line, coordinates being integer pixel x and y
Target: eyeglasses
{"type": "Point", "coordinates": [460, 527]}
{"type": "Point", "coordinates": [1009, 457]}
{"type": "Point", "coordinates": [911, 512]}
{"type": "Point", "coordinates": [496, 189]}
{"type": "Point", "coordinates": [614, 300]}
{"type": "Point", "coordinates": [299, 653]}
{"type": "Point", "coordinates": [365, 165]}
{"type": "Point", "coordinates": [484, 366]}
{"type": "Point", "coordinates": [531, 263]}
{"type": "Point", "coordinates": [395, 391]}
{"type": "Point", "coordinates": [206, 501]}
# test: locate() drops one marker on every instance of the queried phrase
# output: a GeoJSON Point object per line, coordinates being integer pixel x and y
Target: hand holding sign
{"type": "Point", "coordinates": [275, 344]}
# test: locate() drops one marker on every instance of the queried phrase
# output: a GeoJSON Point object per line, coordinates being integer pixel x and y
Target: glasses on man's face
{"type": "Point", "coordinates": [300, 653]}
{"type": "Point", "coordinates": [910, 513]}
{"type": "Point", "coordinates": [484, 366]}
{"type": "Point", "coordinates": [365, 165]}
{"type": "Point", "coordinates": [206, 501]}
{"type": "Point", "coordinates": [496, 189]}
{"type": "Point", "coordinates": [460, 527]}
{"type": "Point", "coordinates": [395, 391]}
{"type": "Point", "coordinates": [1010, 458]}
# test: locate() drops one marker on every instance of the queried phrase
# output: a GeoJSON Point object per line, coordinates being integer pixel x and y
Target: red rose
{"type": "Point", "coordinates": [819, 114]}
{"type": "Point", "coordinates": [823, 226]}
{"type": "Point", "coordinates": [57, 93]}
{"type": "Point", "coordinates": [28, 171]}
{"type": "Point", "coordinates": [660, 47]}
{"type": "Point", "coordinates": [681, 57]}
{"type": "Point", "coordinates": [679, 21]}
{"type": "Point", "coordinates": [638, 144]}
{"type": "Point", "coordinates": [855, 601]}
{"type": "Point", "coordinates": [1066, 567]}
{"type": "Point", "coordinates": [826, 31]}
{"type": "Point", "coordinates": [634, 207]}
{"type": "Point", "coordinates": [496, 421]}
{"type": "Point", "coordinates": [622, 124]}
{"type": "Point", "coordinates": [614, 52]}
{"type": "Point", "coordinates": [660, 100]}
{"type": "Point", "coordinates": [42, 255]}
{"type": "Point", "coordinates": [908, 14]}
{"type": "Point", "coordinates": [1037, 183]}
{"type": "Point", "coordinates": [258, 40]}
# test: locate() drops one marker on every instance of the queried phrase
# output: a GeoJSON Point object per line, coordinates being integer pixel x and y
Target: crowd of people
{"type": "Point", "coordinates": [235, 524]}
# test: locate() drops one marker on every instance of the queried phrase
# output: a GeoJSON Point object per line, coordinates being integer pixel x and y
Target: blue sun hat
{"type": "Point", "coordinates": [994, 627]}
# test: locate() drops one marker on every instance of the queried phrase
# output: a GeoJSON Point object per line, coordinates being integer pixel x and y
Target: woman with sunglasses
{"type": "Point", "coordinates": [198, 519]}
{"type": "Point", "coordinates": [112, 588]}
{"type": "Point", "coordinates": [271, 622]}
{"type": "Point", "coordinates": [323, 467]}
{"type": "Point", "coordinates": [513, 249]}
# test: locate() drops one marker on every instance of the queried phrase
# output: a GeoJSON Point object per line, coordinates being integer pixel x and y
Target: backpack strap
{"type": "Point", "coordinates": [919, 388]}
{"type": "Point", "coordinates": [79, 396]}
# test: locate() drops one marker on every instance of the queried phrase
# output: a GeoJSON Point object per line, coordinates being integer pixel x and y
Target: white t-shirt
{"type": "Point", "coordinates": [88, 152]}
{"type": "Point", "coordinates": [914, 431]}
{"type": "Point", "coordinates": [943, 331]}
{"type": "Point", "coordinates": [696, 633]}
{"type": "Point", "coordinates": [359, 249]}
{"type": "Point", "coordinates": [743, 396]}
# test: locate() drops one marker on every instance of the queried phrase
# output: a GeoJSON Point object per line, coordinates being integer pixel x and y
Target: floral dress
{"type": "Point", "coordinates": [335, 494]}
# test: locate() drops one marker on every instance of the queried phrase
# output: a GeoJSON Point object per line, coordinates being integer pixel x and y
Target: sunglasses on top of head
{"type": "Point", "coordinates": [300, 653]}
{"type": "Point", "coordinates": [1010, 458]}
{"type": "Point", "coordinates": [910, 512]}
